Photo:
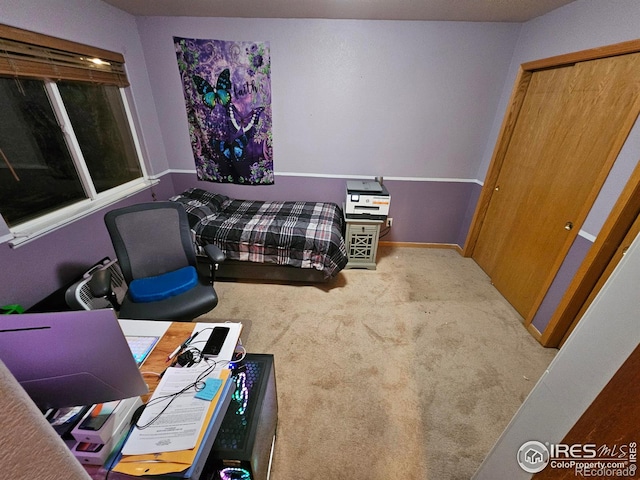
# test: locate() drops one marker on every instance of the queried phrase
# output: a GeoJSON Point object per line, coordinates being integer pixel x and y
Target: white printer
{"type": "Point", "coordinates": [368, 200]}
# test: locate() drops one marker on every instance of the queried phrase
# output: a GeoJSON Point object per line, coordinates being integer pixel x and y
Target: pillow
{"type": "Point", "coordinates": [200, 204]}
{"type": "Point", "coordinates": [213, 201]}
{"type": "Point", "coordinates": [152, 289]}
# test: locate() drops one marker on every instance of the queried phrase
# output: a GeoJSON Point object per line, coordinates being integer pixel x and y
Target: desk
{"type": "Point", "coordinates": [171, 335]}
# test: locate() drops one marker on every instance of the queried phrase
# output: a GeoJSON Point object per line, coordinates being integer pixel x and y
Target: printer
{"type": "Point", "coordinates": [367, 200]}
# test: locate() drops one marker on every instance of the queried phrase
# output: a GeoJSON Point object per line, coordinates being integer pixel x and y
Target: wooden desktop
{"type": "Point", "coordinates": [157, 361]}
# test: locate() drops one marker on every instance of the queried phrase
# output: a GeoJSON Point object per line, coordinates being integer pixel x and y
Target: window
{"type": "Point", "coordinates": [67, 145]}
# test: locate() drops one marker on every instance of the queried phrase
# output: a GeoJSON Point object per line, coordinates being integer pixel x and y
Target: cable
{"type": "Point", "coordinates": [243, 353]}
{"type": "Point", "coordinates": [197, 385]}
{"type": "Point", "coordinates": [188, 357]}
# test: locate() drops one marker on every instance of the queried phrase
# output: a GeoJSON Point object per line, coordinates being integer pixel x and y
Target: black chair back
{"type": "Point", "coordinates": [151, 239]}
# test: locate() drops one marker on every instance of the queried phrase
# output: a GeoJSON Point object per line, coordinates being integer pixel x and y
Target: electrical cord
{"type": "Point", "coordinates": [197, 385]}
{"type": "Point", "coordinates": [243, 354]}
{"type": "Point", "coordinates": [385, 232]}
{"type": "Point", "coordinates": [193, 356]}
{"type": "Point", "coordinates": [189, 357]}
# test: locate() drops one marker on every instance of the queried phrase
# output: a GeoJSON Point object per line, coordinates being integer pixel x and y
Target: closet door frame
{"type": "Point", "coordinates": [598, 259]}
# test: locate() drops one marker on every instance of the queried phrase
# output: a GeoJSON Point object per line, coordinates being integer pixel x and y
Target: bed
{"type": "Point", "coordinates": [297, 241]}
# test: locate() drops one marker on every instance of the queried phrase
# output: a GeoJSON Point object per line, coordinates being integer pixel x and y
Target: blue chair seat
{"type": "Point", "coordinates": [170, 284]}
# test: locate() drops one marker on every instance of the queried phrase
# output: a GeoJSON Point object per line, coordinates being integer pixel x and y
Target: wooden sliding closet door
{"type": "Point", "coordinates": [572, 122]}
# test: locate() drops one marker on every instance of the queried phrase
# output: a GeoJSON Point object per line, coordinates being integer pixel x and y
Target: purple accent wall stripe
{"type": "Point", "coordinates": [567, 271]}
{"type": "Point", "coordinates": [468, 217]}
{"type": "Point", "coordinates": [35, 270]}
{"type": "Point", "coordinates": [423, 212]}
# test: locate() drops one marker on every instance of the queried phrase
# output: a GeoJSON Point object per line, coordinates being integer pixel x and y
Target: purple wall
{"type": "Point", "coordinates": [38, 268]}
{"type": "Point", "coordinates": [567, 271]}
{"type": "Point", "coordinates": [447, 108]}
{"type": "Point", "coordinates": [400, 99]}
{"type": "Point", "coordinates": [422, 211]}
{"type": "Point", "coordinates": [476, 189]}
{"type": "Point", "coordinates": [285, 188]}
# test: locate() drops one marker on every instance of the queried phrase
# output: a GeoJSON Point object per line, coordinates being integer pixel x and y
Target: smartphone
{"type": "Point", "coordinates": [64, 419]}
{"type": "Point", "coordinates": [98, 416]}
{"type": "Point", "coordinates": [215, 342]}
{"type": "Point", "coordinates": [89, 447]}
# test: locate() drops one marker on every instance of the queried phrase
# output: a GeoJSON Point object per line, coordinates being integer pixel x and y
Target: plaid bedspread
{"type": "Point", "coordinates": [298, 234]}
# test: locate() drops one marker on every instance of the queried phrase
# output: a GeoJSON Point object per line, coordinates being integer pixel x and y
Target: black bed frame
{"type": "Point", "coordinates": [237, 270]}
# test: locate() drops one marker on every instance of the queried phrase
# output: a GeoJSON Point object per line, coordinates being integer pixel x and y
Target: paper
{"type": "Point", "coordinates": [171, 462]}
{"type": "Point", "coordinates": [212, 385]}
{"type": "Point", "coordinates": [178, 418]}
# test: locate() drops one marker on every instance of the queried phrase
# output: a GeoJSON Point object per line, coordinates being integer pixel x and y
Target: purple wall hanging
{"type": "Point", "coordinates": [227, 92]}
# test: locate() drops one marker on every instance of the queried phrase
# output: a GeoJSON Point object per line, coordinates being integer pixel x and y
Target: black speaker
{"type": "Point", "coordinates": [243, 448]}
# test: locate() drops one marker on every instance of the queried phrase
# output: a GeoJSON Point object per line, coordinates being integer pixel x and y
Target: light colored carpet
{"type": "Point", "coordinates": [407, 372]}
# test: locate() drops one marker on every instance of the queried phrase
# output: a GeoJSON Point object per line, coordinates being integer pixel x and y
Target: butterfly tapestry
{"type": "Point", "coordinates": [227, 92]}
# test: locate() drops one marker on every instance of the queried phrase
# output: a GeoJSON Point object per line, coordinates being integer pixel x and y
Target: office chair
{"type": "Point", "coordinates": [157, 257]}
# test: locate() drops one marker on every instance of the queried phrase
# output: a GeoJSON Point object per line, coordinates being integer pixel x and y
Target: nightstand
{"type": "Point", "coordinates": [362, 242]}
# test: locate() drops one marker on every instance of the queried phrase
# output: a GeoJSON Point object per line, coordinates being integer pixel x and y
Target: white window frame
{"type": "Point", "coordinates": [32, 229]}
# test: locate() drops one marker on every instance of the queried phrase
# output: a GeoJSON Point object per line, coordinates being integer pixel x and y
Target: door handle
{"type": "Point", "coordinates": [568, 226]}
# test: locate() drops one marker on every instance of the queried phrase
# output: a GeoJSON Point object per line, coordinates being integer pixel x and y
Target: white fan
{"type": "Point", "coordinates": [79, 296]}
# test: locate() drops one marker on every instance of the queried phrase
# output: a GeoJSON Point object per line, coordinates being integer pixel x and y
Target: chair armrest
{"type": "Point", "coordinates": [100, 283]}
{"type": "Point", "coordinates": [214, 253]}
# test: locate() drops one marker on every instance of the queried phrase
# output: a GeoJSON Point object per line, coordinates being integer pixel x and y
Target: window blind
{"type": "Point", "coordinates": [33, 55]}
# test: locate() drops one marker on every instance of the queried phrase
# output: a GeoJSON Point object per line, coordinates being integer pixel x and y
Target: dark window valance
{"type": "Point", "coordinates": [33, 55]}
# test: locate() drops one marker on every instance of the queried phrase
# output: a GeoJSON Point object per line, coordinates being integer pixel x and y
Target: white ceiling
{"type": "Point", "coordinates": [451, 10]}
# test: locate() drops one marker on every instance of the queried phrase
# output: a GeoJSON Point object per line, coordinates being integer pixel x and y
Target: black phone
{"type": "Point", "coordinates": [89, 447]}
{"type": "Point", "coordinates": [216, 340]}
{"type": "Point", "coordinates": [98, 416]}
